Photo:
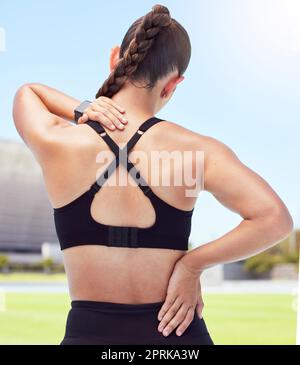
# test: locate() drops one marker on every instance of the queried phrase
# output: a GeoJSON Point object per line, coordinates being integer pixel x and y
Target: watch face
{"type": "Point", "coordinates": [81, 108]}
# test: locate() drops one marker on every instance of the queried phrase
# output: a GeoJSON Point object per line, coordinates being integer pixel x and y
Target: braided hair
{"type": "Point", "coordinates": [154, 45]}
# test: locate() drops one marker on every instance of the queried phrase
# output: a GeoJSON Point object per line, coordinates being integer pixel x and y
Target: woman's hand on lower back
{"type": "Point", "coordinates": [183, 298]}
{"type": "Point", "coordinates": [105, 111]}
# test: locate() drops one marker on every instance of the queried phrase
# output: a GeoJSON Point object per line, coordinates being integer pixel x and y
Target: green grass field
{"type": "Point", "coordinates": [32, 277]}
{"type": "Point", "coordinates": [231, 318]}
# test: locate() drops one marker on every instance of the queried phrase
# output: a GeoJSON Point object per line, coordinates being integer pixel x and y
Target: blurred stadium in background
{"type": "Point", "coordinates": [26, 218]}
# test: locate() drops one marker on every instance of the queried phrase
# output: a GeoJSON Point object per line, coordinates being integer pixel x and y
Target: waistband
{"type": "Point", "coordinates": [112, 306]}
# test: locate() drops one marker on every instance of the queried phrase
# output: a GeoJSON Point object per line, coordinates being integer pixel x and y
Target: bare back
{"type": "Point", "coordinates": [118, 274]}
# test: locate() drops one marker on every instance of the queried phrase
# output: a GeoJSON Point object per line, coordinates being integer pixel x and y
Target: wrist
{"type": "Point", "coordinates": [79, 110]}
{"type": "Point", "coordinates": [186, 262]}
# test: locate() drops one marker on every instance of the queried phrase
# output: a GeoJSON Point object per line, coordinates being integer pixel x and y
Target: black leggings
{"type": "Point", "coordinates": [105, 323]}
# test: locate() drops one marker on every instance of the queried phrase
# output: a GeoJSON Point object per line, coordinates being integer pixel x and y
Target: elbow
{"type": "Point", "coordinates": [21, 94]}
{"type": "Point", "coordinates": [21, 97]}
{"type": "Point", "coordinates": [23, 90]}
{"type": "Point", "coordinates": [281, 221]}
{"type": "Point", "coordinates": [19, 101]}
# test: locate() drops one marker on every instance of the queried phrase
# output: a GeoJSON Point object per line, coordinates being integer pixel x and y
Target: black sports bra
{"type": "Point", "coordinates": [75, 225]}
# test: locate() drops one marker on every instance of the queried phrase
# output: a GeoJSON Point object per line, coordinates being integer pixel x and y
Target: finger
{"type": "Point", "coordinates": [102, 119]}
{"type": "Point", "coordinates": [166, 306]}
{"type": "Point", "coordinates": [169, 315]}
{"type": "Point", "coordinates": [117, 118]}
{"type": "Point", "coordinates": [84, 118]}
{"type": "Point", "coordinates": [186, 322]}
{"type": "Point", "coordinates": [176, 320]}
{"type": "Point", "coordinates": [107, 100]}
{"type": "Point", "coordinates": [112, 118]}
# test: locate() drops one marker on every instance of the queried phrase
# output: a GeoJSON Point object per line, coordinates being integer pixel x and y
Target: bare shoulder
{"type": "Point", "coordinates": [73, 136]}
{"type": "Point", "coordinates": [178, 133]}
{"type": "Point", "coordinates": [197, 141]}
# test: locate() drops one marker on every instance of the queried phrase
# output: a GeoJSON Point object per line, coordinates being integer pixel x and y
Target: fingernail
{"type": "Point", "coordinates": [165, 333]}
{"type": "Point", "coordinates": [179, 333]}
{"type": "Point", "coordinates": [159, 328]}
{"type": "Point", "coordinates": [121, 126]}
{"type": "Point", "coordinates": [124, 120]}
{"type": "Point", "coordinates": [112, 127]}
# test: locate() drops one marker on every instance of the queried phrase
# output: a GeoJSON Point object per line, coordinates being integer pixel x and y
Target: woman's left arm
{"type": "Point", "coordinates": [266, 221]}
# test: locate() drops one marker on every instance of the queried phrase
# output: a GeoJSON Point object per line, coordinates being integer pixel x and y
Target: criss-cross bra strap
{"type": "Point", "coordinates": [122, 155]}
{"type": "Point", "coordinates": [101, 131]}
{"type": "Point", "coordinates": [142, 129]}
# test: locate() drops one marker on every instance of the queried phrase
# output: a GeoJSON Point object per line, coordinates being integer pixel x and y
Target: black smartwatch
{"type": "Point", "coordinates": [80, 109]}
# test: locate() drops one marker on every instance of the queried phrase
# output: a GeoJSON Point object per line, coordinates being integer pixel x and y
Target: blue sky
{"type": "Point", "coordinates": [242, 86]}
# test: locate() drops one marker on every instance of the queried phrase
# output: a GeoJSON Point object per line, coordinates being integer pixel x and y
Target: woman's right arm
{"type": "Point", "coordinates": [40, 111]}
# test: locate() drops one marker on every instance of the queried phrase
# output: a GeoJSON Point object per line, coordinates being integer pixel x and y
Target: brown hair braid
{"type": "Point", "coordinates": [158, 32]}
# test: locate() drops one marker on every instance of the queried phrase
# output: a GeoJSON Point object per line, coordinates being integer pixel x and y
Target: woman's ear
{"type": "Point", "coordinates": [171, 86]}
{"type": "Point", "coordinates": [114, 57]}
{"type": "Point", "coordinates": [179, 80]}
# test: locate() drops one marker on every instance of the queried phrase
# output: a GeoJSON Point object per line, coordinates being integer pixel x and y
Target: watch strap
{"type": "Point", "coordinates": [80, 109]}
